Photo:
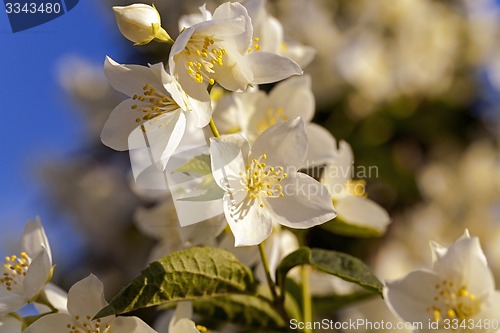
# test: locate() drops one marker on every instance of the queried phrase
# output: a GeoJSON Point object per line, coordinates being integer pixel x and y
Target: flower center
{"type": "Point", "coordinates": [272, 117]}
{"type": "Point", "coordinates": [262, 181]}
{"type": "Point", "coordinates": [453, 302]}
{"type": "Point", "coordinates": [153, 103]}
{"type": "Point", "coordinates": [85, 325]}
{"type": "Point", "coordinates": [202, 54]}
{"type": "Point", "coordinates": [14, 271]}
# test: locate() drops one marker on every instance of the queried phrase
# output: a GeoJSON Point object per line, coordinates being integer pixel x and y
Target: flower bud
{"type": "Point", "coordinates": [140, 23]}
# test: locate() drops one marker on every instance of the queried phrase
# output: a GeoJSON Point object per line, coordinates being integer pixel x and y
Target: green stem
{"type": "Point", "coordinates": [272, 286]}
{"type": "Point", "coordinates": [306, 297]}
{"type": "Point", "coordinates": [265, 263]}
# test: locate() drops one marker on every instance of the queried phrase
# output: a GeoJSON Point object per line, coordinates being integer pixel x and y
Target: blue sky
{"type": "Point", "coordinates": [38, 120]}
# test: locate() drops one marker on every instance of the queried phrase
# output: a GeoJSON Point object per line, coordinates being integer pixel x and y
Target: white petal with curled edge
{"type": "Point", "coordinates": [33, 238]}
{"type": "Point", "coordinates": [466, 259]}
{"type": "Point", "coordinates": [362, 212]}
{"type": "Point", "coordinates": [232, 10]}
{"type": "Point", "coordinates": [285, 144]}
{"type": "Point", "coordinates": [410, 297]}
{"type": "Point", "coordinates": [128, 79]}
{"type": "Point", "coordinates": [86, 297]}
{"type": "Point", "coordinates": [305, 203]}
{"type": "Point", "coordinates": [269, 67]}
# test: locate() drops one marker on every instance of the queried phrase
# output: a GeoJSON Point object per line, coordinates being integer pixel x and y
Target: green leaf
{"type": "Point", "coordinates": [335, 263]}
{"type": "Point", "coordinates": [199, 165]}
{"type": "Point", "coordinates": [340, 227]}
{"type": "Point", "coordinates": [244, 310]}
{"type": "Point", "coordinates": [328, 304]}
{"type": "Point", "coordinates": [189, 274]}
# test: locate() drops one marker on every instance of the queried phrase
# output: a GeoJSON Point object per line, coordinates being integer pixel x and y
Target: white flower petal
{"type": "Point", "coordinates": [466, 259]}
{"type": "Point", "coordinates": [53, 323]}
{"type": "Point", "coordinates": [305, 203]}
{"type": "Point", "coordinates": [56, 296]}
{"type": "Point", "coordinates": [295, 96]}
{"type": "Point", "coordinates": [10, 301]}
{"type": "Point", "coordinates": [301, 54]}
{"type": "Point", "coordinates": [234, 74]}
{"type": "Point", "coordinates": [269, 67]}
{"type": "Point", "coordinates": [249, 223]}
{"type": "Point", "coordinates": [438, 251]}
{"type": "Point", "coordinates": [184, 309]}
{"type": "Point", "coordinates": [491, 307]}
{"type": "Point", "coordinates": [34, 238]}
{"type": "Point", "coordinates": [9, 324]}
{"type": "Point", "coordinates": [232, 10]}
{"type": "Point", "coordinates": [339, 170]}
{"type": "Point", "coordinates": [322, 145]}
{"type": "Point", "coordinates": [184, 326]}
{"type": "Point", "coordinates": [164, 133]}
{"type": "Point", "coordinates": [285, 144]}
{"type": "Point", "coordinates": [128, 79]}
{"type": "Point", "coordinates": [129, 325]}
{"type": "Point", "coordinates": [410, 297]}
{"type": "Point", "coordinates": [120, 124]}
{"type": "Point", "coordinates": [37, 274]}
{"type": "Point", "coordinates": [228, 160]}
{"type": "Point", "coordinates": [86, 297]}
{"type": "Point", "coordinates": [362, 212]}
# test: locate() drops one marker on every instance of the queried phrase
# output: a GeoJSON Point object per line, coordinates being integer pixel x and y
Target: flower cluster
{"type": "Point", "coordinates": [230, 169]}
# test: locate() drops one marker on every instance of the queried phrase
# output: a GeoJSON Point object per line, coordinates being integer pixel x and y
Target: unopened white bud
{"type": "Point", "coordinates": [140, 23]}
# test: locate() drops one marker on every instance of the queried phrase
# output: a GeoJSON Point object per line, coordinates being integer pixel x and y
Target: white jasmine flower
{"type": "Point", "coordinates": [25, 275]}
{"type": "Point", "coordinates": [261, 185]}
{"type": "Point", "coordinates": [85, 299]}
{"type": "Point", "coordinates": [220, 50]}
{"type": "Point", "coordinates": [157, 104]}
{"type": "Point", "coordinates": [268, 31]}
{"type": "Point", "coordinates": [349, 197]}
{"type": "Point", "coordinates": [252, 112]}
{"type": "Point", "coordinates": [459, 286]}
{"type": "Point", "coordinates": [140, 23]}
